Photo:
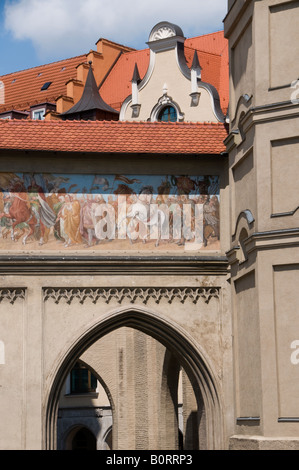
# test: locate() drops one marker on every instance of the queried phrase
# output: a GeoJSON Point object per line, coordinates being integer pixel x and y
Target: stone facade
{"type": "Point", "coordinates": [191, 349]}
{"type": "Point", "coordinates": [263, 158]}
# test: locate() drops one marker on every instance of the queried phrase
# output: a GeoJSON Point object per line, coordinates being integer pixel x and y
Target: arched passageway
{"type": "Point", "coordinates": [84, 440]}
{"type": "Point", "coordinates": [181, 352]}
{"type": "Point", "coordinates": [80, 438]}
{"type": "Point", "coordinates": [84, 403]}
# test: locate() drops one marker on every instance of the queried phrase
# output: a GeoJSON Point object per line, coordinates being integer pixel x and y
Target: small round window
{"type": "Point", "coordinates": [168, 114]}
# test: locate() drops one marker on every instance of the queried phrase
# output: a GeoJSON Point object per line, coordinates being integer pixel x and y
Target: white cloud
{"type": "Point", "coordinates": [73, 26]}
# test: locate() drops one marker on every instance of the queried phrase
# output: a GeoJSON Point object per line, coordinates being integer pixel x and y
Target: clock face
{"type": "Point", "coordinates": [162, 33]}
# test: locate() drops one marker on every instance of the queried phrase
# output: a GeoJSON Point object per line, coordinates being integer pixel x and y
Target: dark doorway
{"type": "Point", "coordinates": [84, 440]}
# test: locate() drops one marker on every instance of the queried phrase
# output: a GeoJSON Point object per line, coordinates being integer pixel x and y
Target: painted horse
{"type": "Point", "coordinates": [20, 212]}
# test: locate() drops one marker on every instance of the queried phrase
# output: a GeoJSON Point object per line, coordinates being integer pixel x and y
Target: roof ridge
{"type": "Point", "coordinates": [208, 34]}
{"type": "Point", "coordinates": [112, 122]}
{"type": "Point", "coordinates": [145, 49]}
{"type": "Point", "coordinates": [203, 51]}
{"type": "Point", "coordinates": [114, 42]}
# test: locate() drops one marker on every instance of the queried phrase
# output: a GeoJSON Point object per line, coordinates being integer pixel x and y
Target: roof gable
{"type": "Point", "coordinates": [213, 58]}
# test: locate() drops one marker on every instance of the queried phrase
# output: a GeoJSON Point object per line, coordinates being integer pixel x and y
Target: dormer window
{"type": "Point", "coordinates": [39, 114]}
{"type": "Point", "coordinates": [168, 114]}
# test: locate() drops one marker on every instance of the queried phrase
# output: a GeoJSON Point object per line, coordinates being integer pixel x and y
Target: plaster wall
{"type": "Point", "coordinates": [167, 74]}
{"type": "Point", "coordinates": [53, 328]}
{"type": "Point", "coordinates": [263, 148]}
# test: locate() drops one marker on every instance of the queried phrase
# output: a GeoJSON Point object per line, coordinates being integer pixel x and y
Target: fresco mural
{"type": "Point", "coordinates": [109, 212]}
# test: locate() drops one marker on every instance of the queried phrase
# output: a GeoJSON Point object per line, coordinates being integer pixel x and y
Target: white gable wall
{"type": "Point", "coordinates": [169, 75]}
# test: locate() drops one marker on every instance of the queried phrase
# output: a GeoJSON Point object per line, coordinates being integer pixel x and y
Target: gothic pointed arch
{"type": "Point", "coordinates": [177, 340]}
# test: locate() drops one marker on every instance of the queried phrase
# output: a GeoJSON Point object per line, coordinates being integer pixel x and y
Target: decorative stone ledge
{"type": "Point", "coordinates": [12, 294]}
{"type": "Point", "coordinates": [127, 264]}
{"type": "Point", "coordinates": [131, 294]}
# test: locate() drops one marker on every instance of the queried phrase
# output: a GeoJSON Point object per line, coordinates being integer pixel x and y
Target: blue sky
{"type": "Point", "coordinates": [34, 32]}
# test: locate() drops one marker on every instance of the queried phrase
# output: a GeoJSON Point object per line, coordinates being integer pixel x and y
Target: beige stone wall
{"type": "Point", "coordinates": [13, 393]}
{"type": "Point", "coordinates": [247, 347]}
{"type": "Point", "coordinates": [46, 330]}
{"type": "Point", "coordinates": [261, 53]}
{"type": "Point", "coordinates": [263, 151]}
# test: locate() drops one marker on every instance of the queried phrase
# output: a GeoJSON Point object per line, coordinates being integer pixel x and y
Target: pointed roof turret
{"type": "Point", "coordinates": [90, 100]}
{"type": "Point", "coordinates": [195, 63]}
{"type": "Point", "coordinates": [136, 76]}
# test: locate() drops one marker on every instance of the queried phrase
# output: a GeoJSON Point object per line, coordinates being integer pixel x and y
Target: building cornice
{"type": "Point", "coordinates": [255, 115]}
{"type": "Point", "coordinates": [258, 241]}
{"type": "Point", "coordinates": [110, 265]}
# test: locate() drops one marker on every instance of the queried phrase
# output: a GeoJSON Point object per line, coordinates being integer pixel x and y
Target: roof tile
{"type": "Point", "coordinates": [113, 136]}
{"type": "Point", "coordinates": [26, 89]}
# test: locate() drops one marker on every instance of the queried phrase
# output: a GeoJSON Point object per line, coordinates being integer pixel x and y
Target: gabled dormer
{"type": "Point", "coordinates": [170, 90]}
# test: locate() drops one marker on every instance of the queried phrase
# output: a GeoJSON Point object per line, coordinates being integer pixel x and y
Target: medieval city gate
{"type": "Point", "coordinates": [74, 283]}
{"type": "Point", "coordinates": [230, 328]}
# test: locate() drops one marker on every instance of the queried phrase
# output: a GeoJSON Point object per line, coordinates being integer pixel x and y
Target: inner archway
{"type": "Point", "coordinates": [180, 348]}
{"type": "Point", "coordinates": [80, 438]}
{"type": "Point", "coordinates": [84, 403]}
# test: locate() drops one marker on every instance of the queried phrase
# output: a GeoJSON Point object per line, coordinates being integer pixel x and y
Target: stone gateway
{"type": "Point", "coordinates": [149, 244]}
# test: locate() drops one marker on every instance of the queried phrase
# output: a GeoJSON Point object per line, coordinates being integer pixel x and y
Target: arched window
{"type": "Point", "coordinates": [168, 114]}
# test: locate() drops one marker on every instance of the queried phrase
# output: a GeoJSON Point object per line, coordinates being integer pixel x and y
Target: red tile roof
{"type": "Point", "coordinates": [214, 43]}
{"type": "Point", "coordinates": [23, 89]}
{"type": "Point", "coordinates": [212, 54]}
{"type": "Point", "coordinates": [117, 85]}
{"type": "Point", "coordinates": [113, 136]}
{"type": "Point", "coordinates": [213, 57]}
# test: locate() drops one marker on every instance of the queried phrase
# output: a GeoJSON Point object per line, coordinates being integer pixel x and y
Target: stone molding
{"type": "Point", "coordinates": [12, 294]}
{"type": "Point", "coordinates": [131, 294]}
{"type": "Point", "coordinates": [75, 263]}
